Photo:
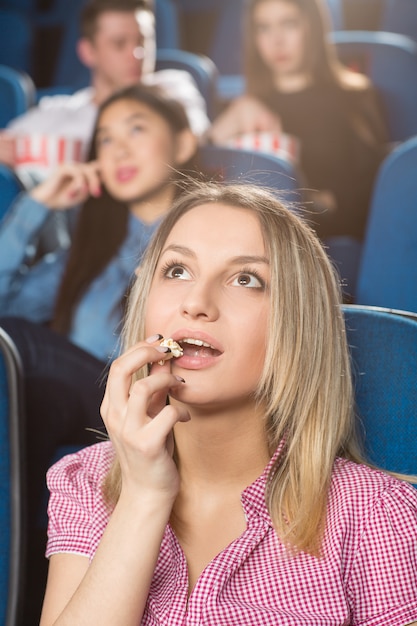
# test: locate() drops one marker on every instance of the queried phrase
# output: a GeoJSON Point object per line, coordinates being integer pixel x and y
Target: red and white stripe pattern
{"type": "Point", "coordinates": [43, 152]}
{"type": "Point", "coordinates": [282, 145]}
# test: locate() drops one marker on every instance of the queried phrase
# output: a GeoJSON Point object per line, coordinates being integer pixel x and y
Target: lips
{"type": "Point", "coordinates": [126, 173]}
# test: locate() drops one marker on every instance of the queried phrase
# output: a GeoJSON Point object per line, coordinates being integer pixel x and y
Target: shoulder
{"type": "Point", "coordinates": [53, 110]}
{"type": "Point", "coordinates": [77, 511]}
{"type": "Point", "coordinates": [372, 526]}
{"type": "Point", "coordinates": [362, 496]}
{"type": "Point", "coordinates": [364, 482]}
{"type": "Point", "coordinates": [176, 83]}
{"type": "Point", "coordinates": [79, 99]}
{"type": "Point", "coordinates": [82, 470]}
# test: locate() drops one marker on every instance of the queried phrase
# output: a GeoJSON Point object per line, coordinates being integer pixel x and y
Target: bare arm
{"type": "Point", "coordinates": [246, 114]}
{"type": "Point", "coordinates": [114, 588]}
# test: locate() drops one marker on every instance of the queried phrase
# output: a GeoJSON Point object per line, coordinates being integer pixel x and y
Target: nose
{"type": "Point", "coordinates": [201, 301]}
{"type": "Point", "coordinates": [278, 35]}
{"type": "Point", "coordinates": [121, 149]}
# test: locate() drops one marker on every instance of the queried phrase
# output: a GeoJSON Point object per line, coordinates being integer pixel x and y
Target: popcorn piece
{"type": "Point", "coordinates": [173, 346]}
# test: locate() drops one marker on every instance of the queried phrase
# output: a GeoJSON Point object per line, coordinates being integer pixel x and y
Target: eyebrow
{"type": "Point", "coordinates": [236, 260]}
{"type": "Point", "coordinates": [127, 120]}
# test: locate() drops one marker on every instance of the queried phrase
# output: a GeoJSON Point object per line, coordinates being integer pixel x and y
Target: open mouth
{"type": "Point", "coordinates": [125, 174]}
{"type": "Point", "coordinates": [198, 348]}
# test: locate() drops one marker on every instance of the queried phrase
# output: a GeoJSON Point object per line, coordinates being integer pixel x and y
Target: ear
{"type": "Point", "coordinates": [85, 52]}
{"type": "Point", "coordinates": [186, 146]}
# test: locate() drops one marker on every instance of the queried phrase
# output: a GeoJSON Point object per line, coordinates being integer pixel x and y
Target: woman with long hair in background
{"type": "Point", "coordinates": [295, 84]}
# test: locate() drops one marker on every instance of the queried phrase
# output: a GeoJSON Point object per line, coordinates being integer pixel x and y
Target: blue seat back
{"type": "Point", "coordinates": [17, 93]}
{"type": "Point", "coordinates": [400, 16]}
{"type": "Point", "coordinates": [345, 252]}
{"type": "Point", "coordinates": [201, 68]}
{"type": "Point", "coordinates": [388, 270]}
{"type": "Point", "coordinates": [234, 165]}
{"type": "Point", "coordinates": [335, 7]}
{"type": "Point", "coordinates": [29, 7]}
{"type": "Point", "coordinates": [11, 500]}
{"type": "Point", "coordinates": [167, 24]}
{"type": "Point", "coordinates": [383, 346]}
{"type": "Point", "coordinates": [390, 61]}
{"type": "Point", "coordinates": [16, 37]}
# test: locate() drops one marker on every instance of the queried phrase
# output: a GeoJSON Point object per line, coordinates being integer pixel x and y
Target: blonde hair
{"type": "Point", "coordinates": [306, 382]}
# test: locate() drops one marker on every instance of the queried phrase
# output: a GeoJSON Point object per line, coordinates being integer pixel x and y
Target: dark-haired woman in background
{"type": "Point", "coordinates": [296, 85]}
{"type": "Point", "coordinates": [64, 311]}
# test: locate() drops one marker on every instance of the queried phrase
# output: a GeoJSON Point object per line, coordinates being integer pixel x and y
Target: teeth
{"type": "Point", "coordinates": [197, 342]}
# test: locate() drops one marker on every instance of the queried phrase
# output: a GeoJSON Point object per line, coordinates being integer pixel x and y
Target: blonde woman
{"type": "Point", "coordinates": [243, 499]}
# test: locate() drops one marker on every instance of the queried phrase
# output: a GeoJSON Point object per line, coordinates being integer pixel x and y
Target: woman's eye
{"type": "Point", "coordinates": [292, 24]}
{"type": "Point", "coordinates": [177, 271]}
{"type": "Point", "coordinates": [137, 129]}
{"type": "Point", "coordinates": [103, 141]}
{"type": "Point", "coordinates": [249, 280]}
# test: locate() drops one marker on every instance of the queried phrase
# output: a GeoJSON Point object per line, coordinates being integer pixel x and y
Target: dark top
{"type": "Point", "coordinates": [342, 143]}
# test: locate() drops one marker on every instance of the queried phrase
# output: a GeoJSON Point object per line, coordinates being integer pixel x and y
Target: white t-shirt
{"type": "Point", "coordinates": [59, 129]}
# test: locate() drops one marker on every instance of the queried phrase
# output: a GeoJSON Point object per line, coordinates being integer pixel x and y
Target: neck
{"type": "Point", "coordinates": [292, 83]}
{"type": "Point", "coordinates": [223, 450]}
{"type": "Point", "coordinates": [154, 205]}
{"type": "Point", "coordinates": [102, 89]}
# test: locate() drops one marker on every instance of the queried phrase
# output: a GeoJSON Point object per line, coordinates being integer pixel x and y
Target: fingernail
{"type": "Point", "coordinates": [179, 378]}
{"type": "Point", "coordinates": [154, 338]}
{"type": "Point", "coordinates": [164, 349]}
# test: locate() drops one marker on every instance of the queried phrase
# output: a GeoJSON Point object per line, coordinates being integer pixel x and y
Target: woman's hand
{"type": "Point", "coordinates": [114, 587]}
{"type": "Point", "coordinates": [70, 184]}
{"type": "Point", "coordinates": [244, 115]}
{"type": "Point", "coordinates": [7, 148]}
{"type": "Point", "coordinates": [140, 423]}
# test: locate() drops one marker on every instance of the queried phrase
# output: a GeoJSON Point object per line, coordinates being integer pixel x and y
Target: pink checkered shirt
{"type": "Point", "coordinates": [367, 575]}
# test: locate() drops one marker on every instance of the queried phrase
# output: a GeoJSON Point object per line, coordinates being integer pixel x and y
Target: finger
{"type": "Point", "coordinates": [76, 183]}
{"type": "Point", "coordinates": [133, 412]}
{"type": "Point", "coordinates": [93, 179]}
{"type": "Point", "coordinates": [123, 368]}
{"type": "Point", "coordinates": [152, 392]}
{"type": "Point", "coordinates": [155, 435]}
